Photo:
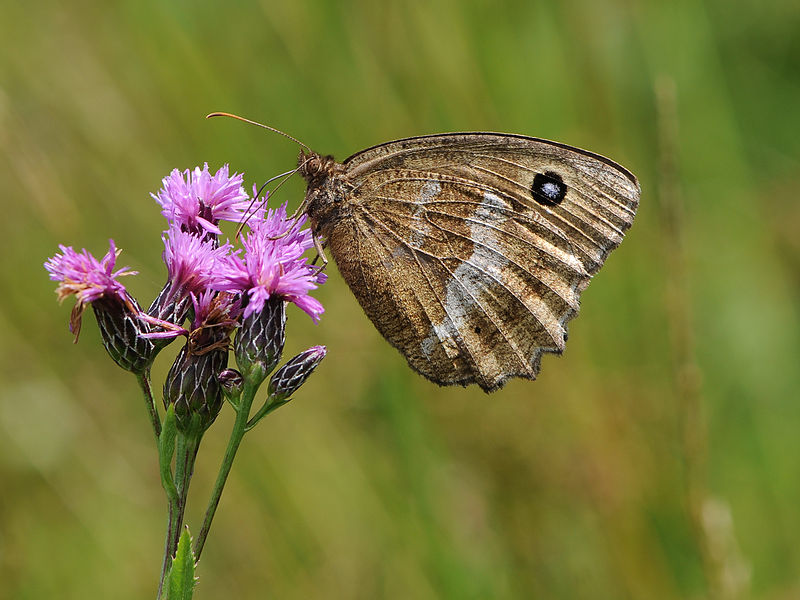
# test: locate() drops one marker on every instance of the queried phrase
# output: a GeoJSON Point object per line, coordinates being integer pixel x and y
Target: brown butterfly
{"type": "Point", "coordinates": [469, 251]}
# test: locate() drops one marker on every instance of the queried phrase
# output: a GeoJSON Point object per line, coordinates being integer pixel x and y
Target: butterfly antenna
{"type": "Point", "coordinates": [293, 216]}
{"type": "Point", "coordinates": [278, 131]}
{"type": "Point", "coordinates": [302, 207]}
{"type": "Point", "coordinates": [249, 214]}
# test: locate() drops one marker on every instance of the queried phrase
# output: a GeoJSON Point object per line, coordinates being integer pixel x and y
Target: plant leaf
{"type": "Point", "coordinates": [180, 579]}
{"type": "Point", "coordinates": [166, 449]}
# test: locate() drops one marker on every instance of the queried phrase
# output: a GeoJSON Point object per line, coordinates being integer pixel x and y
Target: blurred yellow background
{"type": "Point", "coordinates": [658, 458]}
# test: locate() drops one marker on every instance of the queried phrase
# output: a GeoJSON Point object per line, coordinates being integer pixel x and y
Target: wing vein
{"type": "Point", "coordinates": [481, 269]}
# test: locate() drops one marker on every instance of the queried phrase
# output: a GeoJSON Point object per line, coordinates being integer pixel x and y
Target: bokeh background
{"type": "Point", "coordinates": [658, 458]}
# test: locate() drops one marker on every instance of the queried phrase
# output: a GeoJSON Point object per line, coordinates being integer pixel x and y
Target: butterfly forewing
{"type": "Point", "coordinates": [469, 251]}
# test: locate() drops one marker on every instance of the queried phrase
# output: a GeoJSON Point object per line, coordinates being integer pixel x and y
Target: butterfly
{"type": "Point", "coordinates": [469, 251]}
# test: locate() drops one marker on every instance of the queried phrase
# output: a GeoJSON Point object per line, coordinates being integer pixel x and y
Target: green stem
{"type": "Point", "coordinates": [263, 412]}
{"type": "Point", "coordinates": [166, 452]}
{"type": "Point", "coordinates": [239, 429]}
{"type": "Point", "coordinates": [144, 383]}
{"type": "Point", "coordinates": [185, 457]}
{"type": "Point", "coordinates": [167, 544]}
{"type": "Point", "coordinates": [184, 467]}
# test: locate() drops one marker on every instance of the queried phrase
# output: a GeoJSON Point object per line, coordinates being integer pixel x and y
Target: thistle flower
{"type": "Point", "coordinates": [221, 290]}
{"type": "Point", "coordinates": [192, 384]}
{"type": "Point", "coordinates": [89, 279]}
{"type": "Point", "coordinates": [195, 201]}
{"type": "Point", "coordinates": [192, 268]}
{"type": "Point", "coordinates": [273, 265]}
{"type": "Point", "coordinates": [94, 282]}
{"type": "Point", "coordinates": [216, 315]}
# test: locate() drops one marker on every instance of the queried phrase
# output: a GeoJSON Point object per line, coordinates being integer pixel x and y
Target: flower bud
{"type": "Point", "coordinates": [193, 388]}
{"type": "Point", "coordinates": [231, 381]}
{"type": "Point", "coordinates": [288, 379]}
{"type": "Point", "coordinates": [259, 342]}
{"type": "Point", "coordinates": [120, 330]}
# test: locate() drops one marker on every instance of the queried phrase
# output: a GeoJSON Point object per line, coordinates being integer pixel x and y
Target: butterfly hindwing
{"type": "Point", "coordinates": [469, 251]}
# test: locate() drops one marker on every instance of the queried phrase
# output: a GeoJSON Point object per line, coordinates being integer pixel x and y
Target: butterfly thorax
{"type": "Point", "coordinates": [325, 194]}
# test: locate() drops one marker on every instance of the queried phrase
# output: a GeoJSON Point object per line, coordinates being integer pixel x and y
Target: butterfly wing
{"type": "Point", "coordinates": [469, 251]}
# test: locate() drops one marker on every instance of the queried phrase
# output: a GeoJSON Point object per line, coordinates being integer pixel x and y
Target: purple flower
{"type": "Point", "coordinates": [211, 310]}
{"type": "Point", "coordinates": [89, 279]}
{"type": "Point", "coordinates": [196, 201]}
{"type": "Point", "coordinates": [192, 268]}
{"type": "Point", "coordinates": [192, 263]}
{"type": "Point", "coordinates": [273, 264]}
{"type": "Point", "coordinates": [82, 274]}
{"type": "Point", "coordinates": [216, 309]}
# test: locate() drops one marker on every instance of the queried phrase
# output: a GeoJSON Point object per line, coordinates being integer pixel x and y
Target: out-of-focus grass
{"type": "Point", "coordinates": [375, 483]}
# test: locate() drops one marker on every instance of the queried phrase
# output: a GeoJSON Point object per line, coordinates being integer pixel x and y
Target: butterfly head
{"type": "Point", "coordinates": [314, 167]}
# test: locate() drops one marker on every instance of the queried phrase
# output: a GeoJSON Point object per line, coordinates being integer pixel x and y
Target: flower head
{"type": "Point", "coordinates": [191, 261]}
{"type": "Point", "coordinates": [88, 279]}
{"type": "Point", "coordinates": [216, 315]}
{"type": "Point", "coordinates": [81, 274]}
{"type": "Point", "coordinates": [196, 201]}
{"type": "Point", "coordinates": [192, 268]}
{"type": "Point", "coordinates": [274, 265]}
{"type": "Point", "coordinates": [192, 384]}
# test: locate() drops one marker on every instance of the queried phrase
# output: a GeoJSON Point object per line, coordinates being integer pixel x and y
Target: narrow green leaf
{"type": "Point", "coordinates": [180, 579]}
{"type": "Point", "coordinates": [166, 449]}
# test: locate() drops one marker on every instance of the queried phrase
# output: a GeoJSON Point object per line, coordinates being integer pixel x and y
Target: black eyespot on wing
{"type": "Point", "coordinates": [548, 188]}
{"type": "Point", "coordinates": [477, 329]}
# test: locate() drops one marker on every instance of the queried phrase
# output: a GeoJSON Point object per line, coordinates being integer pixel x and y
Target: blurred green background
{"type": "Point", "coordinates": [658, 458]}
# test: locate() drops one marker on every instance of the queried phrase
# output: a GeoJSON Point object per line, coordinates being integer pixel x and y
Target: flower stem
{"type": "Point", "coordinates": [144, 383]}
{"type": "Point", "coordinates": [263, 412]}
{"type": "Point", "coordinates": [184, 467]}
{"type": "Point", "coordinates": [172, 510]}
{"type": "Point", "coordinates": [185, 456]}
{"type": "Point", "coordinates": [239, 429]}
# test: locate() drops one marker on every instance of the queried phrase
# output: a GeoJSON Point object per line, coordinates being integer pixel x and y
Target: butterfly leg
{"type": "Point", "coordinates": [319, 246]}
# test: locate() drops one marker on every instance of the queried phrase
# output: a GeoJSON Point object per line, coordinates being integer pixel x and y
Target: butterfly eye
{"type": "Point", "coordinates": [548, 188]}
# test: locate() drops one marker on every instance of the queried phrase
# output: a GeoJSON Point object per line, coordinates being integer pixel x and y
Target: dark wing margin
{"type": "Point", "coordinates": [447, 140]}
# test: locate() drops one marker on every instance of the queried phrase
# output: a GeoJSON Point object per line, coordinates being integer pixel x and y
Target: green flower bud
{"type": "Point", "coordinates": [193, 387]}
{"type": "Point", "coordinates": [120, 330]}
{"type": "Point", "coordinates": [259, 342]}
{"type": "Point", "coordinates": [288, 379]}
